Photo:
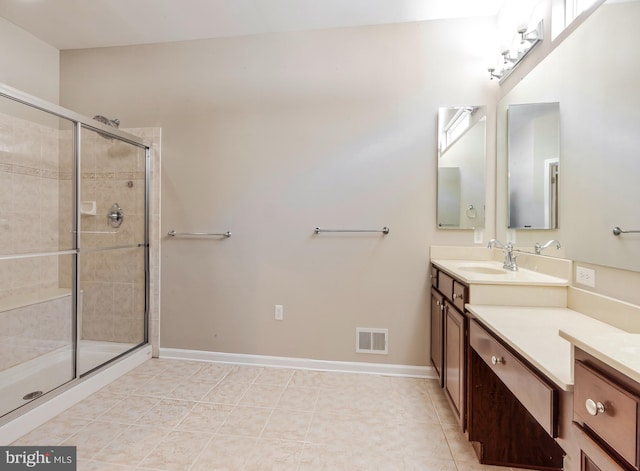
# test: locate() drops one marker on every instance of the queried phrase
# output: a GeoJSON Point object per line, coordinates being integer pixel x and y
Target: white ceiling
{"type": "Point", "coordinates": [76, 24]}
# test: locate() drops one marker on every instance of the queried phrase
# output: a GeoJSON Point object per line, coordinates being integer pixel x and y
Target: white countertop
{"type": "Point", "coordinates": [533, 332]}
{"type": "Point", "coordinates": [501, 277]}
{"type": "Point", "coordinates": [620, 350]}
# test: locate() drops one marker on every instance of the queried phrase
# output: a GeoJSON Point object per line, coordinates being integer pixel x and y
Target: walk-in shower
{"type": "Point", "coordinates": [74, 246]}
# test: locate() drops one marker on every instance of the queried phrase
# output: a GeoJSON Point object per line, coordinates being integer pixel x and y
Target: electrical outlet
{"type": "Point", "coordinates": [586, 276]}
{"type": "Point", "coordinates": [478, 236]}
{"type": "Point", "coordinates": [279, 312]}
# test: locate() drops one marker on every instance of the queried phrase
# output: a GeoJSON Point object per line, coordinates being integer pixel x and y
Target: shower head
{"type": "Point", "coordinates": [114, 123]}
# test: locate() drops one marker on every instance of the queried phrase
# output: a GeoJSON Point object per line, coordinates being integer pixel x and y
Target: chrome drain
{"type": "Point", "coordinates": [32, 395]}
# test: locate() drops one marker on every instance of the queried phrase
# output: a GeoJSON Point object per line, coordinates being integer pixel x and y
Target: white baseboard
{"type": "Point", "coordinates": [300, 363]}
{"type": "Point", "coordinates": [40, 414]}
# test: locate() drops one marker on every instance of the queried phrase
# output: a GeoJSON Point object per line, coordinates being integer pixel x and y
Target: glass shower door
{"type": "Point", "coordinates": [37, 256]}
{"type": "Point", "coordinates": [112, 249]}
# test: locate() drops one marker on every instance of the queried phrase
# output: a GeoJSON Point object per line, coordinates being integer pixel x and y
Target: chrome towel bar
{"type": "Point", "coordinates": [617, 231]}
{"type": "Point", "coordinates": [385, 230]}
{"type": "Point", "coordinates": [173, 233]}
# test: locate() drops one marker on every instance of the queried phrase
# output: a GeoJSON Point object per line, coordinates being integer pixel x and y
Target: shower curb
{"type": "Point", "coordinates": [40, 414]}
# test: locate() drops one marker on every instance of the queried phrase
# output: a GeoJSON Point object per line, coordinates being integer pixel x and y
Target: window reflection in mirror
{"type": "Point", "coordinates": [461, 167]}
{"type": "Point", "coordinates": [534, 156]}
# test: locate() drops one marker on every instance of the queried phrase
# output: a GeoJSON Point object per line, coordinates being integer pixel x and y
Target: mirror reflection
{"type": "Point", "coordinates": [594, 73]}
{"type": "Point", "coordinates": [461, 167]}
{"type": "Point", "coordinates": [534, 155]}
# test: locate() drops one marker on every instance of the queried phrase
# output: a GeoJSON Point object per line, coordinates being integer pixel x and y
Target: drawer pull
{"type": "Point", "coordinates": [438, 302]}
{"type": "Point", "coordinates": [594, 408]}
{"type": "Point", "coordinates": [497, 361]}
{"type": "Point", "coordinates": [457, 296]}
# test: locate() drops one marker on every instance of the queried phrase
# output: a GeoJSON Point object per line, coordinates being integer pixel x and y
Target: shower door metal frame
{"type": "Point", "coordinates": [83, 122]}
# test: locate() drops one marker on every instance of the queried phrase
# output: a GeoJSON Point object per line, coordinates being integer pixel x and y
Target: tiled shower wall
{"type": "Point", "coordinates": [34, 313]}
{"type": "Point", "coordinates": [30, 181]}
{"type": "Point", "coordinates": [36, 198]}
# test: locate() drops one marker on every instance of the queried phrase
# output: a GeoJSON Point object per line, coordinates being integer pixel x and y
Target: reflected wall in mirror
{"type": "Point", "coordinates": [594, 73]}
{"type": "Point", "coordinates": [461, 167]}
{"type": "Point", "coordinates": [534, 156]}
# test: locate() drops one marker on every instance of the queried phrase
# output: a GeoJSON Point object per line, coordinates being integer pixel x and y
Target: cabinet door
{"type": "Point", "coordinates": [437, 321]}
{"type": "Point", "coordinates": [454, 375]}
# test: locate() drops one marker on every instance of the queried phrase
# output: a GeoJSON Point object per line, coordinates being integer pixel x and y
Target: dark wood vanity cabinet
{"type": "Point", "coordinates": [437, 333]}
{"type": "Point", "coordinates": [606, 415]}
{"type": "Point", "coordinates": [449, 338]}
{"type": "Point", "coordinates": [455, 360]}
{"type": "Point", "coordinates": [513, 410]}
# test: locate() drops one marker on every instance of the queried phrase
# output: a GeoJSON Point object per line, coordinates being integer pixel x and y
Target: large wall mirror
{"type": "Point", "coordinates": [595, 76]}
{"type": "Point", "coordinates": [534, 157]}
{"type": "Point", "coordinates": [461, 167]}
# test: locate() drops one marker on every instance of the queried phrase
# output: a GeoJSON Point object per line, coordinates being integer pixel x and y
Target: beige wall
{"type": "Point", "coordinates": [27, 63]}
{"type": "Point", "coordinates": [270, 136]}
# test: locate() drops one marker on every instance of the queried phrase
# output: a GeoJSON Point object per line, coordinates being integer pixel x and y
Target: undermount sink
{"type": "Point", "coordinates": [484, 270]}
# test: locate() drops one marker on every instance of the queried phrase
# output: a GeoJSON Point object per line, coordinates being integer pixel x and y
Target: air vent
{"type": "Point", "coordinates": [371, 340]}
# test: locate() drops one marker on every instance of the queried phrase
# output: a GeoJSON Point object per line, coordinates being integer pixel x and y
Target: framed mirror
{"type": "Point", "coordinates": [461, 167]}
{"type": "Point", "coordinates": [534, 158]}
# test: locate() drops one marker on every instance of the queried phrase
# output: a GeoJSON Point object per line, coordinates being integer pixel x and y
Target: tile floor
{"type": "Point", "coordinates": [192, 416]}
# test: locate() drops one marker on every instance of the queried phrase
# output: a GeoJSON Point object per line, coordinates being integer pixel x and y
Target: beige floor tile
{"type": "Point", "coordinates": [130, 409]}
{"type": "Point", "coordinates": [333, 380]}
{"type": "Point", "coordinates": [295, 398]}
{"type": "Point", "coordinates": [159, 386]}
{"type": "Point", "coordinates": [212, 372]}
{"type": "Point", "coordinates": [287, 425]}
{"type": "Point", "coordinates": [132, 445]}
{"type": "Point", "coordinates": [173, 415]}
{"type": "Point", "coordinates": [86, 465]}
{"type": "Point", "coordinates": [243, 374]}
{"type": "Point", "coordinates": [246, 421]}
{"type": "Point", "coordinates": [327, 457]}
{"type": "Point", "coordinates": [307, 379]}
{"type": "Point", "coordinates": [53, 432]}
{"type": "Point", "coordinates": [94, 437]}
{"type": "Point", "coordinates": [205, 417]}
{"type": "Point", "coordinates": [180, 368]}
{"type": "Point", "coordinates": [95, 405]}
{"type": "Point", "coordinates": [328, 428]}
{"type": "Point", "coordinates": [190, 389]}
{"type": "Point", "coordinates": [275, 455]}
{"type": "Point", "coordinates": [167, 413]}
{"type": "Point", "coordinates": [276, 376]}
{"type": "Point", "coordinates": [262, 395]}
{"type": "Point", "coordinates": [126, 384]}
{"type": "Point", "coordinates": [225, 452]}
{"type": "Point", "coordinates": [227, 392]}
{"type": "Point", "coordinates": [177, 451]}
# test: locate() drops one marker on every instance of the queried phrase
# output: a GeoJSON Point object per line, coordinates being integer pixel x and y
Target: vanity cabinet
{"type": "Point", "coordinates": [437, 334]}
{"type": "Point", "coordinates": [605, 412]}
{"type": "Point", "coordinates": [455, 360]}
{"type": "Point", "coordinates": [449, 338]}
{"type": "Point", "coordinates": [513, 410]}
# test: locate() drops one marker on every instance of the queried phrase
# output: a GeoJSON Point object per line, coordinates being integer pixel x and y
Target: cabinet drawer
{"type": "Point", "coordinates": [452, 289]}
{"type": "Point", "coordinates": [459, 295]}
{"type": "Point", "coordinates": [535, 394]}
{"type": "Point", "coordinates": [433, 275]}
{"type": "Point", "coordinates": [445, 285]}
{"type": "Point", "coordinates": [616, 411]}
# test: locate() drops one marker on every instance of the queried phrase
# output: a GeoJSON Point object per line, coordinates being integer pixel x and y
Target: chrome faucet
{"type": "Point", "coordinates": [509, 257]}
{"type": "Point", "coordinates": [539, 248]}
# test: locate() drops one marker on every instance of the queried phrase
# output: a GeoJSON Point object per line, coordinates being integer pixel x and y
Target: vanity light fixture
{"type": "Point", "coordinates": [524, 41]}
